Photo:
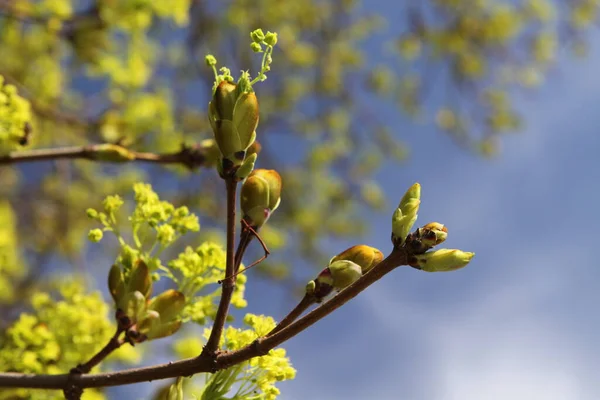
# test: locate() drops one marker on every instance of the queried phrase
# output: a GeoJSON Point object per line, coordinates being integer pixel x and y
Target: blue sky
{"type": "Point", "coordinates": [521, 321]}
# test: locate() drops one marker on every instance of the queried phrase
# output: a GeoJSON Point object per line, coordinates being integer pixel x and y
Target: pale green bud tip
{"type": "Point", "coordinates": [91, 213]}
{"type": "Point", "coordinates": [95, 235]}
{"type": "Point", "coordinates": [411, 198]}
{"type": "Point", "coordinates": [257, 35]}
{"type": "Point", "coordinates": [344, 273]}
{"type": "Point", "coordinates": [271, 38]}
{"type": "Point", "coordinates": [210, 60]}
{"type": "Point", "coordinates": [310, 287]}
{"type": "Point", "coordinates": [256, 47]}
{"type": "Point", "coordinates": [441, 260]}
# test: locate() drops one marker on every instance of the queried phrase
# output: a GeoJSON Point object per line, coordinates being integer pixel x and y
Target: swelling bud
{"type": "Point", "coordinates": [260, 196]}
{"type": "Point", "coordinates": [442, 260]}
{"type": "Point", "coordinates": [365, 256]}
{"type": "Point", "coordinates": [405, 215]}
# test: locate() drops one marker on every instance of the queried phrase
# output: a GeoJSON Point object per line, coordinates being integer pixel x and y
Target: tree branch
{"type": "Point", "coordinates": [191, 157]}
{"type": "Point", "coordinates": [208, 363]}
{"type": "Point", "coordinates": [228, 284]}
{"type": "Point", "coordinates": [113, 344]}
{"type": "Point", "coordinates": [307, 301]}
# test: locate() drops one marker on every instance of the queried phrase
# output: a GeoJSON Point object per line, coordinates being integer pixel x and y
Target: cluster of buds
{"type": "Point", "coordinates": [343, 270]}
{"type": "Point", "coordinates": [260, 196]}
{"type": "Point", "coordinates": [419, 243]}
{"type": "Point", "coordinates": [233, 116]}
{"type": "Point", "coordinates": [139, 316]}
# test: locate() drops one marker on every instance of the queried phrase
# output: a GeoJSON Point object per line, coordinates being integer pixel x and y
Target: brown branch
{"type": "Point", "coordinates": [191, 157]}
{"type": "Point", "coordinates": [307, 301]}
{"type": "Point", "coordinates": [228, 284]}
{"type": "Point", "coordinates": [207, 363]}
{"type": "Point", "coordinates": [74, 392]}
{"type": "Point", "coordinates": [113, 344]}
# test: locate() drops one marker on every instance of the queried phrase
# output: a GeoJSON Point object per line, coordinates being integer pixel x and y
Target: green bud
{"type": "Point", "coordinates": [233, 115]}
{"type": "Point", "coordinates": [257, 35]}
{"type": "Point", "coordinates": [271, 38]}
{"type": "Point", "coordinates": [168, 304]}
{"type": "Point", "coordinates": [257, 48]}
{"type": "Point", "coordinates": [426, 237]}
{"type": "Point", "coordinates": [91, 213]}
{"type": "Point", "coordinates": [139, 279]}
{"type": "Point", "coordinates": [247, 167]}
{"type": "Point", "coordinates": [365, 256]}
{"type": "Point", "coordinates": [164, 330]}
{"type": "Point", "coordinates": [405, 215]}
{"type": "Point", "coordinates": [134, 305]}
{"type": "Point", "coordinates": [95, 235]}
{"type": "Point", "coordinates": [210, 60]}
{"type": "Point", "coordinates": [112, 153]}
{"type": "Point", "coordinates": [150, 320]}
{"type": "Point", "coordinates": [260, 196]}
{"type": "Point", "coordinates": [176, 390]}
{"type": "Point", "coordinates": [441, 260]}
{"type": "Point", "coordinates": [433, 234]}
{"type": "Point", "coordinates": [116, 285]}
{"type": "Point", "coordinates": [344, 273]}
{"type": "Point", "coordinates": [310, 287]}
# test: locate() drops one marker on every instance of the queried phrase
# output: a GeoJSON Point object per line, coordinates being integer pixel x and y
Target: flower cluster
{"type": "Point", "coordinates": [59, 333]}
{"type": "Point", "coordinates": [196, 272]}
{"type": "Point", "coordinates": [15, 118]}
{"type": "Point", "coordinates": [251, 379]}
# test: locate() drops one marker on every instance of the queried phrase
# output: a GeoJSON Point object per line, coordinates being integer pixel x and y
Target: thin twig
{"type": "Point", "coordinates": [307, 301]}
{"type": "Point", "coordinates": [228, 284]}
{"type": "Point", "coordinates": [74, 392]}
{"type": "Point", "coordinates": [246, 236]}
{"type": "Point", "coordinates": [192, 157]}
{"type": "Point", "coordinates": [113, 344]}
{"type": "Point", "coordinates": [208, 363]}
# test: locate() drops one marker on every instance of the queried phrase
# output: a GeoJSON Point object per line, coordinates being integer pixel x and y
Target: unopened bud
{"type": "Point", "coordinates": [233, 115]}
{"type": "Point", "coordinates": [168, 304]}
{"type": "Point", "coordinates": [140, 279]}
{"type": "Point", "coordinates": [365, 256]}
{"type": "Point", "coordinates": [247, 167]}
{"type": "Point", "coordinates": [426, 237]}
{"type": "Point", "coordinates": [344, 273]}
{"type": "Point", "coordinates": [260, 196]}
{"type": "Point", "coordinates": [405, 215]}
{"type": "Point", "coordinates": [116, 286]}
{"type": "Point", "coordinates": [441, 260]}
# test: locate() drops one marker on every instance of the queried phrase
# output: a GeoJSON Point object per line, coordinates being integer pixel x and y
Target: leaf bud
{"type": "Point", "coordinates": [441, 260]}
{"type": "Point", "coordinates": [365, 256]}
{"type": "Point", "coordinates": [260, 196]}
{"type": "Point", "coordinates": [344, 273]}
{"type": "Point", "coordinates": [116, 285]}
{"type": "Point", "coordinates": [405, 215]}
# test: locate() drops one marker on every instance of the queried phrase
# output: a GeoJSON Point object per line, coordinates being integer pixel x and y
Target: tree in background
{"type": "Point", "coordinates": [111, 93]}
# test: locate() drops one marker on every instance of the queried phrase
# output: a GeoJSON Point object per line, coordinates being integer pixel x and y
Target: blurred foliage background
{"type": "Point", "coordinates": [132, 72]}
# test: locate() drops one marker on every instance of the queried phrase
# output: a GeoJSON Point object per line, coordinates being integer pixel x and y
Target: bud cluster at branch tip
{"type": "Point", "coordinates": [139, 316]}
{"type": "Point", "coordinates": [260, 196]}
{"type": "Point", "coordinates": [418, 244]}
{"type": "Point", "coordinates": [233, 111]}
